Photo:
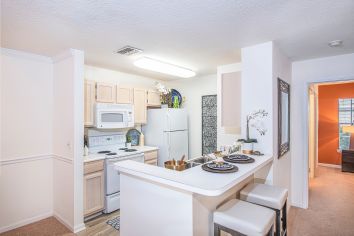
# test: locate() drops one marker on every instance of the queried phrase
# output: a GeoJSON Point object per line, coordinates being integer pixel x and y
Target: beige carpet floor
{"type": "Point", "coordinates": [331, 206]}
{"type": "Point", "coordinates": [330, 213]}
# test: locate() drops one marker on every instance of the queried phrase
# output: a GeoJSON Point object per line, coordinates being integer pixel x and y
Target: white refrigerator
{"type": "Point", "coordinates": [167, 129]}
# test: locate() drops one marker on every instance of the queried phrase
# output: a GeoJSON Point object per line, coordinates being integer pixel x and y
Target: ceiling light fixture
{"type": "Point", "coordinates": [335, 43]}
{"type": "Point", "coordinates": [163, 67]}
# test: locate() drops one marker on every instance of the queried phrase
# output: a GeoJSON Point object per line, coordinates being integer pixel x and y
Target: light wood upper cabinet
{"type": "Point", "coordinates": [124, 95]}
{"type": "Point", "coordinates": [89, 93]}
{"type": "Point", "coordinates": [153, 98]}
{"type": "Point", "coordinates": [93, 187]}
{"type": "Point", "coordinates": [105, 92]}
{"type": "Point", "coordinates": [140, 105]}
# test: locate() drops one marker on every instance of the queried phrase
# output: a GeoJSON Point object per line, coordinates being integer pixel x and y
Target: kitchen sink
{"type": "Point", "coordinates": [198, 161]}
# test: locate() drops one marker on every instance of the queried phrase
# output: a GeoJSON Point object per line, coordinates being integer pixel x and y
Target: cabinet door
{"type": "Point", "coordinates": [93, 193]}
{"type": "Point", "coordinates": [140, 104]}
{"type": "Point", "coordinates": [150, 155]}
{"type": "Point", "coordinates": [153, 98]}
{"type": "Point", "coordinates": [124, 95]}
{"type": "Point", "coordinates": [105, 92]}
{"type": "Point", "coordinates": [89, 92]}
{"type": "Point", "coordinates": [151, 162]}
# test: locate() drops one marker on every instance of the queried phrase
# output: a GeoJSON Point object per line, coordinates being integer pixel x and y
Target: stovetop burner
{"type": "Point", "coordinates": [111, 154]}
{"type": "Point", "coordinates": [103, 152]}
{"type": "Point", "coordinates": [130, 150]}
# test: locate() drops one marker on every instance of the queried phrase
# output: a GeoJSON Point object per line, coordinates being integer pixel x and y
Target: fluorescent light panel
{"type": "Point", "coordinates": [163, 67]}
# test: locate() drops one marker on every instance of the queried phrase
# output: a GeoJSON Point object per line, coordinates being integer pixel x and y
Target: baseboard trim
{"type": "Point", "coordinates": [63, 221]}
{"type": "Point", "coordinates": [79, 228]}
{"type": "Point", "coordinates": [26, 222]}
{"type": "Point", "coordinates": [330, 165]}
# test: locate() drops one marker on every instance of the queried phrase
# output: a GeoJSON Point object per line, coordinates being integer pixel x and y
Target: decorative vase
{"type": "Point", "coordinates": [247, 148]}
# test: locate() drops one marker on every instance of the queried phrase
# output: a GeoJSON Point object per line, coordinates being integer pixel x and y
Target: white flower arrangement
{"type": "Point", "coordinates": [256, 116]}
{"type": "Point", "coordinates": [162, 88]}
{"type": "Point", "coordinates": [253, 120]}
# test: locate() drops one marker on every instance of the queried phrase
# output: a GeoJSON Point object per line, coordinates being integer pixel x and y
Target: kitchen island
{"type": "Point", "coordinates": [159, 201]}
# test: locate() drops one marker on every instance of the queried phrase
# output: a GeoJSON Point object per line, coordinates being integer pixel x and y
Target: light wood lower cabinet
{"type": "Point", "coordinates": [151, 157]}
{"type": "Point", "coordinates": [93, 187]}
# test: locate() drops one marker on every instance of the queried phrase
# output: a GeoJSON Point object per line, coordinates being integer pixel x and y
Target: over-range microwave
{"type": "Point", "coordinates": [112, 116]}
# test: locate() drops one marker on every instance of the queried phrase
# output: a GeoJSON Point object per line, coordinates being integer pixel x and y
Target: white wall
{"type": "Point", "coordinates": [112, 76]}
{"type": "Point", "coordinates": [68, 138]}
{"type": "Point", "coordinates": [262, 64]}
{"type": "Point", "coordinates": [282, 166]}
{"type": "Point", "coordinates": [42, 136]}
{"type": "Point", "coordinates": [26, 137]}
{"type": "Point", "coordinates": [193, 89]}
{"type": "Point", "coordinates": [257, 91]}
{"type": "Point", "coordinates": [334, 68]}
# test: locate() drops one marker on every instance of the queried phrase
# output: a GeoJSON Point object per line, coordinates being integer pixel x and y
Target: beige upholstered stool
{"type": "Point", "coordinates": [242, 218]}
{"type": "Point", "coordinates": [269, 196]}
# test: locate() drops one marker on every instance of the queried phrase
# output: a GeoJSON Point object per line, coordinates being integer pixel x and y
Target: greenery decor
{"type": "Point", "coordinates": [129, 139]}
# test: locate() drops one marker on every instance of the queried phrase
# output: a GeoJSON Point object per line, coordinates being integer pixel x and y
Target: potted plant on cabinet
{"type": "Point", "coordinates": [128, 144]}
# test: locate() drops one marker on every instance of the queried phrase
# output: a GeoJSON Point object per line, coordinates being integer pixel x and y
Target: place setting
{"type": "Point", "coordinates": [219, 167]}
{"type": "Point", "coordinates": [238, 158]}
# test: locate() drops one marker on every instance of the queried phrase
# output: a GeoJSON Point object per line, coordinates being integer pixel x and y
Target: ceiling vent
{"type": "Point", "coordinates": [129, 50]}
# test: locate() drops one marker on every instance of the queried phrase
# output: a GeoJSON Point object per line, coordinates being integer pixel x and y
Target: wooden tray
{"type": "Point", "coordinates": [206, 168]}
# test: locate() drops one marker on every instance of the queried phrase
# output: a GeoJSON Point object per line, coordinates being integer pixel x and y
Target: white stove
{"type": "Point", "coordinates": [116, 152]}
{"type": "Point", "coordinates": [112, 146]}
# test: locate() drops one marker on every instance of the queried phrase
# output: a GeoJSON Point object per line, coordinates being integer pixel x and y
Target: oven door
{"type": "Point", "coordinates": [112, 175]}
{"type": "Point", "coordinates": [111, 119]}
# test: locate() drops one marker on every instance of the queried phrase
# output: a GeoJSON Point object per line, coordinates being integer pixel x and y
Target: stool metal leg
{"type": "Point", "coordinates": [284, 218]}
{"type": "Point", "coordinates": [216, 230]}
{"type": "Point", "coordinates": [277, 223]}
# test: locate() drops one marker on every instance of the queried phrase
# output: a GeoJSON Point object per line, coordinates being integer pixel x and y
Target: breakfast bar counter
{"type": "Point", "coordinates": [181, 201]}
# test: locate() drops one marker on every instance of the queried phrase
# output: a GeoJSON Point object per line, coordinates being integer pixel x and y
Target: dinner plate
{"type": "Point", "coordinates": [239, 157]}
{"type": "Point", "coordinates": [220, 166]}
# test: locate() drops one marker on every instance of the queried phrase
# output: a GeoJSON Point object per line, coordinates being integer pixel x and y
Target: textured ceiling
{"type": "Point", "coordinates": [197, 34]}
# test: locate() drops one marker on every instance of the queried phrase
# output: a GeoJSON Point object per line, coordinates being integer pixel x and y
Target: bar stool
{"type": "Point", "coordinates": [238, 218]}
{"type": "Point", "coordinates": [269, 196]}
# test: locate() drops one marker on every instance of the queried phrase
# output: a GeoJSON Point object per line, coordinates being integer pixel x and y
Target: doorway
{"type": "Point", "coordinates": [330, 112]}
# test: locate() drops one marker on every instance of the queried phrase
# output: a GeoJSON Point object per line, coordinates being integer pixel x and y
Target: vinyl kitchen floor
{"type": "Point", "coordinates": [330, 213]}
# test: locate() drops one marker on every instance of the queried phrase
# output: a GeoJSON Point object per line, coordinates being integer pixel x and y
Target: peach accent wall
{"type": "Point", "coordinates": [328, 140]}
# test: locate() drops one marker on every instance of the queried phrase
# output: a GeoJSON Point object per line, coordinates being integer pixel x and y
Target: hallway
{"type": "Point", "coordinates": [331, 206]}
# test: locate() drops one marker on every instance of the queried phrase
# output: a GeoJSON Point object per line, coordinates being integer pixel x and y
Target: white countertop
{"type": "Point", "coordinates": [145, 148]}
{"type": "Point", "coordinates": [194, 179]}
{"type": "Point", "coordinates": [94, 157]}
{"type": "Point", "coordinates": [97, 157]}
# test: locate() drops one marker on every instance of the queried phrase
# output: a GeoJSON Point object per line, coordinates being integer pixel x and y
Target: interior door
{"type": "Point", "coordinates": [177, 144]}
